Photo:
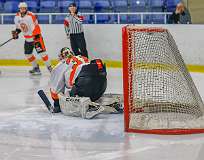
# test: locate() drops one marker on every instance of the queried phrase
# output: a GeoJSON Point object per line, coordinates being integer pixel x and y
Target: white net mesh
{"type": "Point", "coordinates": [161, 92]}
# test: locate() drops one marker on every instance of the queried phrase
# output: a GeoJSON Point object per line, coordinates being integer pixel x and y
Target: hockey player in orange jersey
{"type": "Point", "coordinates": [27, 23]}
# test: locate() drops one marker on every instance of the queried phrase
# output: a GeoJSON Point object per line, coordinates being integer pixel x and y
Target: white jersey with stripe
{"type": "Point", "coordinates": [65, 73]}
{"type": "Point", "coordinates": [28, 24]}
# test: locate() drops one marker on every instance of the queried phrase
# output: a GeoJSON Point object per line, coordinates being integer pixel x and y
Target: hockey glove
{"type": "Point", "coordinates": [15, 33]}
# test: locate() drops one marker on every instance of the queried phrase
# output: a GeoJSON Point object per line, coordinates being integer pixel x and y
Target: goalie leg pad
{"type": "Point", "coordinates": [72, 106]}
{"type": "Point", "coordinates": [94, 110]}
{"type": "Point", "coordinates": [112, 103]}
{"type": "Point", "coordinates": [79, 107]}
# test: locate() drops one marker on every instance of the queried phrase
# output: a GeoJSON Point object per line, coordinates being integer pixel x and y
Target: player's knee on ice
{"type": "Point", "coordinates": [91, 82]}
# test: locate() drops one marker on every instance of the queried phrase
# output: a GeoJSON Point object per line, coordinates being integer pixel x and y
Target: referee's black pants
{"type": "Point", "coordinates": [78, 44]}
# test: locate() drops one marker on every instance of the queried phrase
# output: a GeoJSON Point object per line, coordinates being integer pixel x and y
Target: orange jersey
{"type": "Point", "coordinates": [28, 25]}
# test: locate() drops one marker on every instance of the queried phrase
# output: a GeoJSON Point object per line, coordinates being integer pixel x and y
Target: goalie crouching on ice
{"type": "Point", "coordinates": [77, 86]}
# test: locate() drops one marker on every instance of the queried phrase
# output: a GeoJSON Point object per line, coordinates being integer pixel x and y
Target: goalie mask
{"type": "Point", "coordinates": [65, 53]}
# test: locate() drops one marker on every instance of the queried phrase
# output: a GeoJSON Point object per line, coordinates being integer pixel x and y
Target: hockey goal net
{"type": "Point", "coordinates": [160, 96]}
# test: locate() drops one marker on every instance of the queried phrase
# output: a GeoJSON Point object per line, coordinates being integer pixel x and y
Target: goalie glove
{"type": "Point", "coordinates": [15, 33]}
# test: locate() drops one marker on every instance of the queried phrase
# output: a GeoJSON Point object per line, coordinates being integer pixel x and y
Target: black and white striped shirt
{"type": "Point", "coordinates": [73, 24]}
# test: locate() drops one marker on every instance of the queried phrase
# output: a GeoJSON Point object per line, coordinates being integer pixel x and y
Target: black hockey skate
{"type": "Point", "coordinates": [49, 68]}
{"type": "Point", "coordinates": [117, 106]}
{"type": "Point", "coordinates": [35, 71]}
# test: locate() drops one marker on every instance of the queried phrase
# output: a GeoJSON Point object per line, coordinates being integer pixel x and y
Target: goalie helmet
{"type": "Point", "coordinates": [22, 5]}
{"type": "Point", "coordinates": [65, 53]}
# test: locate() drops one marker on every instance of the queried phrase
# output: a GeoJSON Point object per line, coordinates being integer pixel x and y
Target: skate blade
{"type": "Point", "coordinates": [35, 74]}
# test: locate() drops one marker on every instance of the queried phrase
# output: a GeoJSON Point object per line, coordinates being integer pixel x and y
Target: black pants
{"type": "Point", "coordinates": [78, 44]}
{"type": "Point", "coordinates": [28, 47]}
{"type": "Point", "coordinates": [91, 82]}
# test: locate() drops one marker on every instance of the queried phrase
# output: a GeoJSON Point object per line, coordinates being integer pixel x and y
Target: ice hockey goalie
{"type": "Point", "coordinates": [77, 86]}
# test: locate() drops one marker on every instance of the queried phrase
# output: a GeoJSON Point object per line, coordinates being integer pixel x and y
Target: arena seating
{"type": "Point", "coordinates": [1, 7]}
{"type": "Point", "coordinates": [47, 6]}
{"type": "Point", "coordinates": [32, 5]}
{"type": "Point", "coordinates": [156, 6]}
{"type": "Point", "coordinates": [138, 6]}
{"type": "Point", "coordinates": [85, 6]}
{"type": "Point", "coordinates": [94, 6]}
{"type": "Point", "coordinates": [62, 5]}
{"type": "Point", "coordinates": [171, 5]}
{"type": "Point", "coordinates": [120, 5]}
{"type": "Point", "coordinates": [11, 6]}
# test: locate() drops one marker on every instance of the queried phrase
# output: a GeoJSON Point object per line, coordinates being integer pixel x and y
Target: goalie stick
{"type": "Point", "coordinates": [46, 101]}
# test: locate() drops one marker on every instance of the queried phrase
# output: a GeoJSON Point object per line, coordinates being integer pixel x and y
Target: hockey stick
{"type": "Point", "coordinates": [6, 42]}
{"type": "Point", "coordinates": [46, 101]}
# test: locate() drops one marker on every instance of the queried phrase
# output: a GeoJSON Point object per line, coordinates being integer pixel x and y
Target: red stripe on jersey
{"type": "Point", "coordinates": [66, 23]}
{"type": "Point", "coordinates": [27, 36]}
{"type": "Point", "coordinates": [74, 68]}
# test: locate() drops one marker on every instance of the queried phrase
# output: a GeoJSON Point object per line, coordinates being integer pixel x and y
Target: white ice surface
{"type": "Point", "coordinates": [29, 132]}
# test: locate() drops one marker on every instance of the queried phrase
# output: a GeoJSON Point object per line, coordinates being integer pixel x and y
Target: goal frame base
{"type": "Point", "coordinates": [167, 131]}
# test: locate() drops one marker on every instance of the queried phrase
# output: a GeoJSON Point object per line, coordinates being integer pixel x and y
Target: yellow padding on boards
{"type": "Point", "coordinates": [109, 63]}
{"type": "Point", "coordinates": [166, 67]}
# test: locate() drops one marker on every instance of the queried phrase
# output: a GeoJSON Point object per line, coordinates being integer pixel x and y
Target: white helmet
{"type": "Point", "coordinates": [22, 5]}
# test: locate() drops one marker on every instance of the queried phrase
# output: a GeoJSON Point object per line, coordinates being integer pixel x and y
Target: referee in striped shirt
{"type": "Point", "coordinates": [74, 30]}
